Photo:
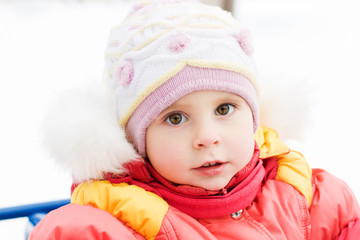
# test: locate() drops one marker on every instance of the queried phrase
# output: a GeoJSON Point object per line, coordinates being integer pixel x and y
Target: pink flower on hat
{"type": "Point", "coordinates": [244, 39]}
{"type": "Point", "coordinates": [178, 42]}
{"type": "Point", "coordinates": [125, 72]}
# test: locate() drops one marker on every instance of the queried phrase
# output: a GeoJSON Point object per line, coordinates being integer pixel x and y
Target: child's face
{"type": "Point", "coordinates": [202, 128]}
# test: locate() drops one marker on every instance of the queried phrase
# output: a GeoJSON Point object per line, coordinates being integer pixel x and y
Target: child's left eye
{"type": "Point", "coordinates": [225, 109]}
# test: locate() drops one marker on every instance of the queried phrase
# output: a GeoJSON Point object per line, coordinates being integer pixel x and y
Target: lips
{"type": "Point", "coordinates": [212, 168]}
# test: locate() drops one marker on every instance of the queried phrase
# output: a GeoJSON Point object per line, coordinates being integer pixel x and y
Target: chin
{"type": "Point", "coordinates": [215, 186]}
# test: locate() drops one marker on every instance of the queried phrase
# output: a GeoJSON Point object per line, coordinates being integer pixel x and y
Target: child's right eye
{"type": "Point", "coordinates": [175, 119]}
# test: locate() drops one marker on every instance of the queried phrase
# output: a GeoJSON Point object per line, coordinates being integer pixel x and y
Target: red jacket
{"type": "Point", "coordinates": [296, 203]}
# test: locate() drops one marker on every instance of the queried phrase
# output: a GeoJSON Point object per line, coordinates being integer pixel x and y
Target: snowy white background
{"type": "Point", "coordinates": [50, 46]}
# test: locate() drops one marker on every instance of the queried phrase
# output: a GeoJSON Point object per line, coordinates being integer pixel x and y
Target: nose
{"type": "Point", "coordinates": [205, 137]}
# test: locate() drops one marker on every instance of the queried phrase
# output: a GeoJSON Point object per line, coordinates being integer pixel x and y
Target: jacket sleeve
{"type": "Point", "coordinates": [74, 221]}
{"type": "Point", "coordinates": [352, 231]}
{"type": "Point", "coordinates": [334, 208]}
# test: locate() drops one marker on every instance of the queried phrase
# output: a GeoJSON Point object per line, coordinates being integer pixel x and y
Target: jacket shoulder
{"type": "Point", "coordinates": [333, 207]}
{"type": "Point", "coordinates": [292, 167]}
{"type": "Point", "coordinates": [139, 209]}
{"type": "Point", "coordinates": [74, 221]}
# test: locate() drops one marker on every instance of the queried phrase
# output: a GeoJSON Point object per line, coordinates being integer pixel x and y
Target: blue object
{"type": "Point", "coordinates": [36, 218]}
{"type": "Point", "coordinates": [35, 212]}
{"type": "Point", "coordinates": [30, 209]}
{"type": "Point", "coordinates": [33, 220]}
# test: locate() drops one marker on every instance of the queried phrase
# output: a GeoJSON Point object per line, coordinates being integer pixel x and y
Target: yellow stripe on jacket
{"type": "Point", "coordinates": [292, 167]}
{"type": "Point", "coordinates": [141, 210]}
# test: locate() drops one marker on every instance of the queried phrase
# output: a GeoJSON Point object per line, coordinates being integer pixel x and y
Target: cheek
{"type": "Point", "coordinates": [166, 162]}
{"type": "Point", "coordinates": [163, 152]}
{"type": "Point", "coordinates": [242, 141]}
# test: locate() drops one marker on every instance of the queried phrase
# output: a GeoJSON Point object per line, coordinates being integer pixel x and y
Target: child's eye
{"type": "Point", "coordinates": [224, 109]}
{"type": "Point", "coordinates": [175, 119]}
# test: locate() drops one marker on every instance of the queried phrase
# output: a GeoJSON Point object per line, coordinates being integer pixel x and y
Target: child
{"type": "Point", "coordinates": [187, 158]}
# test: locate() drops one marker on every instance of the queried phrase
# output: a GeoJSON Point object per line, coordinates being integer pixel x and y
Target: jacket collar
{"type": "Point", "coordinates": [269, 143]}
{"type": "Point", "coordinates": [292, 166]}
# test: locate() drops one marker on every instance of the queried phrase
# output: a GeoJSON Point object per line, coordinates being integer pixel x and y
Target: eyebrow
{"type": "Point", "coordinates": [222, 99]}
{"type": "Point", "coordinates": [231, 98]}
{"type": "Point", "coordinates": [218, 100]}
{"type": "Point", "coordinates": [175, 106]}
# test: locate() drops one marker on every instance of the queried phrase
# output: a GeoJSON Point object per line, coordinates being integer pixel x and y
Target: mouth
{"type": "Point", "coordinates": [211, 164]}
{"type": "Point", "coordinates": [211, 168]}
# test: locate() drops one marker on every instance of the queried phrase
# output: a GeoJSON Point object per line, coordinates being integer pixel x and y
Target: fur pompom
{"type": "Point", "coordinates": [82, 133]}
{"type": "Point", "coordinates": [285, 106]}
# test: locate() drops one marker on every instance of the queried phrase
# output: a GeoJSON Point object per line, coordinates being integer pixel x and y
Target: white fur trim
{"type": "Point", "coordinates": [285, 105]}
{"type": "Point", "coordinates": [82, 133]}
